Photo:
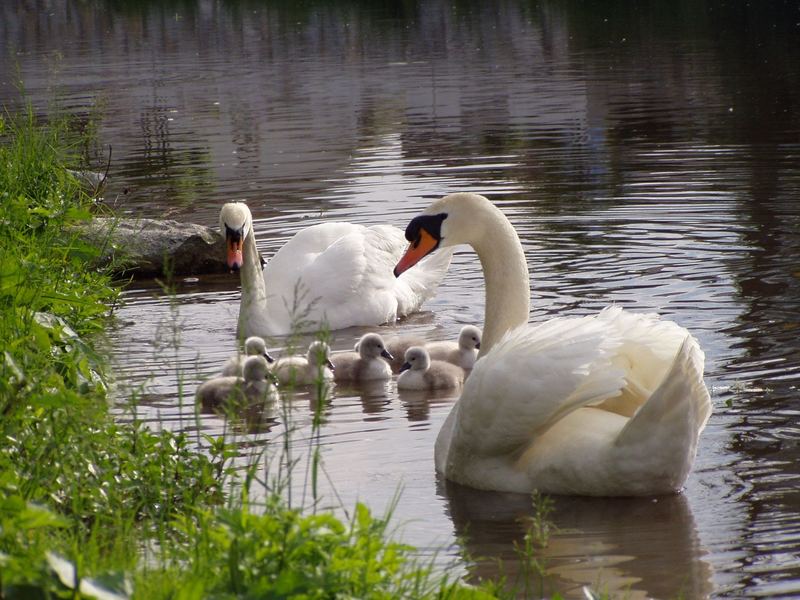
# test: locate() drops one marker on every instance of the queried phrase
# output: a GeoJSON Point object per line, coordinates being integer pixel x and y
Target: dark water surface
{"type": "Point", "coordinates": [647, 153]}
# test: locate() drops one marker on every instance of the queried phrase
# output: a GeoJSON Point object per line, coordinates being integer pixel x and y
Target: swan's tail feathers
{"type": "Point", "coordinates": [663, 433]}
{"type": "Point", "coordinates": [533, 377]}
{"type": "Point", "coordinates": [420, 282]}
{"type": "Point", "coordinates": [646, 354]}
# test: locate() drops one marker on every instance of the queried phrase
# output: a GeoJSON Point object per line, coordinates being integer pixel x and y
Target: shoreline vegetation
{"type": "Point", "coordinates": [93, 506]}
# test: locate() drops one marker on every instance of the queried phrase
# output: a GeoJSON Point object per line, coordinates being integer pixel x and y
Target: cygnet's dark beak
{"type": "Point", "coordinates": [329, 364]}
{"type": "Point", "coordinates": [478, 345]}
{"type": "Point", "coordinates": [268, 357]}
{"type": "Point", "coordinates": [385, 354]}
{"type": "Point", "coordinates": [405, 366]}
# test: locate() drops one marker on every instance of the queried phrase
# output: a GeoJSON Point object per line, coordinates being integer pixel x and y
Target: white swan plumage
{"type": "Point", "coordinates": [605, 405]}
{"type": "Point", "coordinates": [331, 275]}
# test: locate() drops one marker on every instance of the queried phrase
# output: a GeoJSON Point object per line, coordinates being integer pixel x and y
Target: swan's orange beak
{"type": "Point", "coordinates": [417, 250]}
{"type": "Point", "coordinates": [234, 254]}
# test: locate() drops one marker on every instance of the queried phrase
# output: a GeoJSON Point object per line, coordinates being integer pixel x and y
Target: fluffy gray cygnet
{"type": "Point", "coordinates": [308, 369]}
{"type": "Point", "coordinates": [253, 346]}
{"type": "Point", "coordinates": [254, 386]}
{"type": "Point", "coordinates": [365, 365]}
{"type": "Point", "coordinates": [419, 372]}
{"type": "Point", "coordinates": [462, 353]}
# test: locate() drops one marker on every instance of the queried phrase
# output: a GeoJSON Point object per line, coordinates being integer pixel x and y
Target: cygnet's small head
{"type": "Point", "coordinates": [255, 346]}
{"type": "Point", "coordinates": [469, 338]}
{"type": "Point", "coordinates": [416, 359]}
{"type": "Point", "coordinates": [319, 353]}
{"type": "Point", "coordinates": [255, 369]}
{"type": "Point", "coordinates": [371, 346]}
{"type": "Point", "coordinates": [235, 223]}
{"type": "Point", "coordinates": [453, 220]}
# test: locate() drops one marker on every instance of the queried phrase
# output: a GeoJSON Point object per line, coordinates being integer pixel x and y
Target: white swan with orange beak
{"type": "Point", "coordinates": [604, 405]}
{"type": "Point", "coordinates": [332, 275]}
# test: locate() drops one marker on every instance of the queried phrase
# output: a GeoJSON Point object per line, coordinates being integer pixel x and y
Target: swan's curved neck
{"type": "Point", "coordinates": [505, 271]}
{"type": "Point", "coordinates": [254, 291]}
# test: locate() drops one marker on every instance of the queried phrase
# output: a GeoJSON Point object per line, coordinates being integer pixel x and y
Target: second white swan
{"type": "Point", "coordinates": [605, 405]}
{"type": "Point", "coordinates": [331, 275]}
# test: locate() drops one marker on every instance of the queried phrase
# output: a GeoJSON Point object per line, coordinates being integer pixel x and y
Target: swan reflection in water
{"type": "Point", "coordinates": [614, 545]}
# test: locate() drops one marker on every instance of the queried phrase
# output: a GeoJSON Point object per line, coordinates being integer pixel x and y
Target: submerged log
{"type": "Point", "coordinates": [152, 247]}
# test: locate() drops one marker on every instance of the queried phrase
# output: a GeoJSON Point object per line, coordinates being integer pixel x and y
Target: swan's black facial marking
{"type": "Point", "coordinates": [430, 223]}
{"type": "Point", "coordinates": [425, 234]}
{"type": "Point", "coordinates": [234, 235]}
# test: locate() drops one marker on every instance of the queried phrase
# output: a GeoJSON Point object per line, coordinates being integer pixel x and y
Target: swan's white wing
{"type": "Point", "coordinates": [300, 252]}
{"type": "Point", "coordinates": [334, 272]}
{"type": "Point", "coordinates": [531, 378]}
{"type": "Point", "coordinates": [353, 276]}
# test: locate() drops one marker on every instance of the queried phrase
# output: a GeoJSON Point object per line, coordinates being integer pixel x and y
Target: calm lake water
{"type": "Point", "coordinates": [647, 153]}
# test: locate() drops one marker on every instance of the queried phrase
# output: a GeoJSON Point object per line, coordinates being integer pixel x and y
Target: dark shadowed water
{"type": "Point", "coordinates": [647, 153]}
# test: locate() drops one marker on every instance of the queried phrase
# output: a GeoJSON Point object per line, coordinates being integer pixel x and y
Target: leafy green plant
{"type": "Point", "coordinates": [73, 479]}
{"type": "Point", "coordinates": [93, 505]}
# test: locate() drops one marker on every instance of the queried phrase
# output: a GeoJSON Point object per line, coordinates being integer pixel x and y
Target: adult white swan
{"type": "Point", "coordinates": [607, 405]}
{"type": "Point", "coordinates": [333, 275]}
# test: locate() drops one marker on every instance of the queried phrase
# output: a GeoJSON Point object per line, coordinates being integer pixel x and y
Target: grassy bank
{"type": "Point", "coordinates": [92, 507]}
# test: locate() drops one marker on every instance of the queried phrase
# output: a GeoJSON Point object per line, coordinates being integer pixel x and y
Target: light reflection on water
{"type": "Point", "coordinates": [646, 158]}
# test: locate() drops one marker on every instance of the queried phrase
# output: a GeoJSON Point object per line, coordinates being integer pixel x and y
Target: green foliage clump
{"type": "Point", "coordinates": [71, 478]}
{"type": "Point", "coordinates": [281, 553]}
{"type": "Point", "coordinates": [96, 507]}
